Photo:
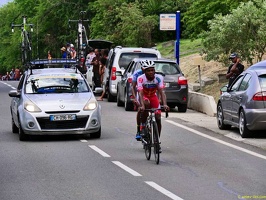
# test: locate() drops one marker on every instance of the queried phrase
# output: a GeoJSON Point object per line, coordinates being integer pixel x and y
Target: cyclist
{"type": "Point", "coordinates": [148, 84]}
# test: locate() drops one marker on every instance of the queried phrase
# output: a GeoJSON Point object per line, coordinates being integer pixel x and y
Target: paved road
{"type": "Point", "coordinates": [210, 123]}
{"type": "Point", "coordinates": [196, 163]}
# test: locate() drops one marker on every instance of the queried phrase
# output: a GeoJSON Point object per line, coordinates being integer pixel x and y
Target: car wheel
{"type": "Point", "coordinates": [182, 108]}
{"type": "Point", "coordinates": [118, 102]}
{"type": "Point", "coordinates": [110, 97]}
{"type": "Point", "coordinates": [128, 104]}
{"type": "Point", "coordinates": [22, 135]}
{"type": "Point", "coordinates": [96, 134]}
{"type": "Point", "coordinates": [15, 129]}
{"type": "Point", "coordinates": [220, 118]}
{"type": "Point", "coordinates": [243, 130]}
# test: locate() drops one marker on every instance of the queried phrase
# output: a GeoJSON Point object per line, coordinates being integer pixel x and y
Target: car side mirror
{"type": "Point", "coordinates": [223, 89]}
{"type": "Point", "coordinates": [14, 93]}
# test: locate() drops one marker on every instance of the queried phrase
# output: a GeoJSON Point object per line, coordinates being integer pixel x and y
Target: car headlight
{"type": "Point", "coordinates": [31, 107]}
{"type": "Point", "coordinates": [90, 105]}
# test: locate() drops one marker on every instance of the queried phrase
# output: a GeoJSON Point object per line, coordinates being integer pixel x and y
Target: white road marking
{"type": "Point", "coordinates": [164, 191]}
{"type": "Point", "coordinates": [99, 151]}
{"type": "Point", "coordinates": [9, 85]}
{"type": "Point", "coordinates": [217, 140]}
{"type": "Point", "coordinates": [84, 140]}
{"type": "Point", "coordinates": [126, 168]}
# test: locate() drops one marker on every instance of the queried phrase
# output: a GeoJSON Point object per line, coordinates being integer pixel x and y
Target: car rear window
{"type": "Point", "coordinates": [55, 83]}
{"type": "Point", "coordinates": [167, 68]}
{"type": "Point", "coordinates": [125, 58]}
{"type": "Point", "coordinates": [262, 79]}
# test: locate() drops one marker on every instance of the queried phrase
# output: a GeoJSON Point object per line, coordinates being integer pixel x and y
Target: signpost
{"type": "Point", "coordinates": [170, 22]}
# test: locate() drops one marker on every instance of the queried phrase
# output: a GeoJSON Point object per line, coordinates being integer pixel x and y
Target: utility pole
{"type": "Point", "coordinates": [82, 40]}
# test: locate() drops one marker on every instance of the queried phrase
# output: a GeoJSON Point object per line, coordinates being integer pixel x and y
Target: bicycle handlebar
{"type": "Point", "coordinates": [154, 109]}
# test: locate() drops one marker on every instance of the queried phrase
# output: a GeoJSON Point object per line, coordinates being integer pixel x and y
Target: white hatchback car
{"type": "Point", "coordinates": [118, 60]}
{"type": "Point", "coordinates": [54, 101]}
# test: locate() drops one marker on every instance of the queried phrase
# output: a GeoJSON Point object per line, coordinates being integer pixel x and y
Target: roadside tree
{"type": "Point", "coordinates": [242, 31]}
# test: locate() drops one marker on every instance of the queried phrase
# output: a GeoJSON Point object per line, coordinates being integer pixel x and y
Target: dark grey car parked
{"type": "Point", "coordinates": [243, 105]}
{"type": "Point", "coordinates": [176, 86]}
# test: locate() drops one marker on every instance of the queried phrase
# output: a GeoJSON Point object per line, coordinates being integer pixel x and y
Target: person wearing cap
{"type": "Point", "coordinates": [234, 69]}
{"type": "Point", "coordinates": [64, 53]}
{"type": "Point", "coordinates": [73, 52]}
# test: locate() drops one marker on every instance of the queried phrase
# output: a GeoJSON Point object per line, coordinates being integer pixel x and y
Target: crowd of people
{"type": "Point", "coordinates": [69, 51]}
{"type": "Point", "coordinates": [14, 75]}
{"type": "Point", "coordinates": [96, 59]}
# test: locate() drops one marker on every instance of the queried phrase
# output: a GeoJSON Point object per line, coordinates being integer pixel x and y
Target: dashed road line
{"type": "Point", "coordinates": [135, 173]}
{"type": "Point", "coordinates": [163, 190]}
{"type": "Point", "coordinates": [99, 151]}
{"type": "Point", "coordinates": [126, 168]}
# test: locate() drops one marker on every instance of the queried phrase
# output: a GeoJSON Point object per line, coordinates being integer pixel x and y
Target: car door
{"type": "Point", "coordinates": [15, 102]}
{"type": "Point", "coordinates": [230, 96]}
{"type": "Point", "coordinates": [239, 97]}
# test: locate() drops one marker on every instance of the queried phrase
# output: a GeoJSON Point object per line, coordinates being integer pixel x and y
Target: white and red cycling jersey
{"type": "Point", "coordinates": [150, 88]}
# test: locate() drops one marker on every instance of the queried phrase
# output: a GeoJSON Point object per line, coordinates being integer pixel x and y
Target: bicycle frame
{"type": "Point", "coordinates": [149, 124]}
{"type": "Point", "coordinates": [25, 41]}
{"type": "Point", "coordinates": [153, 139]}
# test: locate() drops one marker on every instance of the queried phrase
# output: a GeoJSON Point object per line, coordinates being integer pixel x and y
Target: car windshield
{"type": "Point", "coordinates": [55, 83]}
{"type": "Point", "coordinates": [125, 58]}
{"type": "Point", "coordinates": [167, 68]}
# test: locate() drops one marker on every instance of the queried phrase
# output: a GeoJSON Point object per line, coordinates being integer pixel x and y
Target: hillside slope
{"type": "Point", "coordinates": [208, 70]}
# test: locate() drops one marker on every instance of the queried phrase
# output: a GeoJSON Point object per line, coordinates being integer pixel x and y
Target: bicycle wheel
{"type": "Point", "coordinates": [24, 48]}
{"type": "Point", "coordinates": [147, 146]}
{"type": "Point", "coordinates": [156, 146]}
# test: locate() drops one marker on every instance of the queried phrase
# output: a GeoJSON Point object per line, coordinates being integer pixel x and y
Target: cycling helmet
{"type": "Point", "coordinates": [147, 64]}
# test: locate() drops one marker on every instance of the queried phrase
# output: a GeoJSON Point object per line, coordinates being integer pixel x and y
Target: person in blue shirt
{"type": "Point", "coordinates": [64, 53]}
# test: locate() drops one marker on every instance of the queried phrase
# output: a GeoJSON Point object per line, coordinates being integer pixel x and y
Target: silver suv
{"type": "Point", "coordinates": [118, 60]}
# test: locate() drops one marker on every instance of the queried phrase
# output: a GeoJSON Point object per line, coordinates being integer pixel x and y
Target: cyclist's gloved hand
{"type": "Point", "coordinates": [166, 107]}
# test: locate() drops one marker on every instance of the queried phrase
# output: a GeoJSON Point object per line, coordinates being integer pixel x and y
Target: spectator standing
{"type": "Point", "coordinates": [89, 57]}
{"type": "Point", "coordinates": [234, 69]}
{"type": "Point", "coordinates": [17, 74]}
{"type": "Point", "coordinates": [12, 74]}
{"type": "Point", "coordinates": [73, 52]}
{"type": "Point", "coordinates": [101, 72]}
{"type": "Point", "coordinates": [49, 55]}
{"type": "Point", "coordinates": [64, 52]}
{"type": "Point", "coordinates": [6, 77]}
{"type": "Point", "coordinates": [96, 66]}
{"type": "Point", "coordinates": [105, 53]}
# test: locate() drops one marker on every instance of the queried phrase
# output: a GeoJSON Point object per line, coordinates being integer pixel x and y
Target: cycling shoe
{"type": "Point", "coordinates": [138, 137]}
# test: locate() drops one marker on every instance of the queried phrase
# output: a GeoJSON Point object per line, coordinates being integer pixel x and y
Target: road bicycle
{"type": "Point", "coordinates": [25, 41]}
{"type": "Point", "coordinates": [151, 136]}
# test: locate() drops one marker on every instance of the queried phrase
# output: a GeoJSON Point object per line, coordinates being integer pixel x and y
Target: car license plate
{"type": "Point", "coordinates": [62, 117]}
{"type": "Point", "coordinates": [166, 84]}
